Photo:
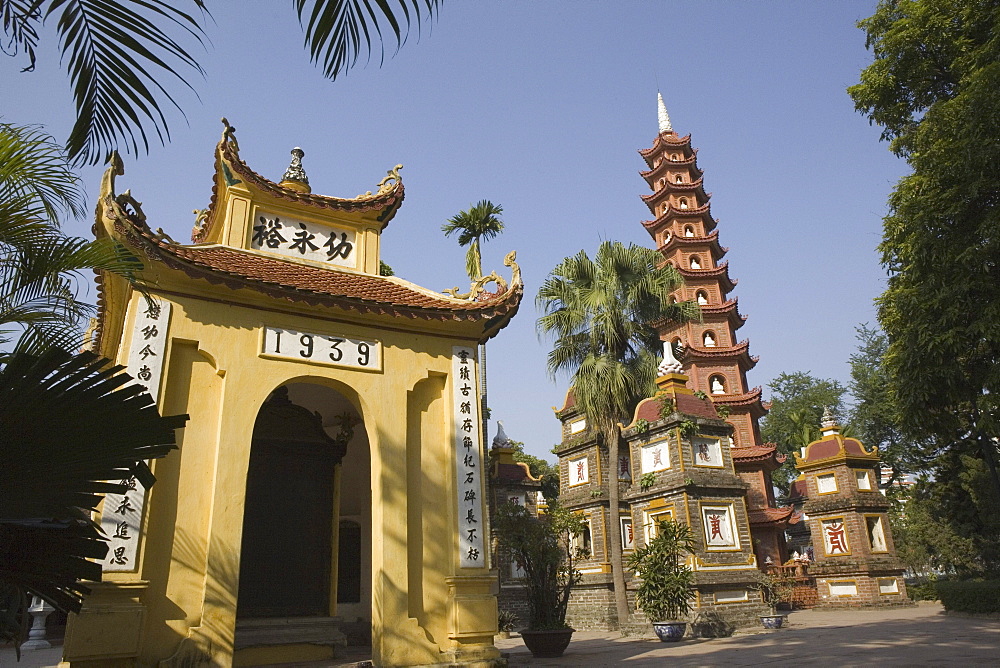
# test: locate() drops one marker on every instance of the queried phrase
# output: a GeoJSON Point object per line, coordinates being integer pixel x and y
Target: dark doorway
{"type": "Point", "coordinates": [288, 518]}
{"type": "Point", "coordinates": [349, 563]}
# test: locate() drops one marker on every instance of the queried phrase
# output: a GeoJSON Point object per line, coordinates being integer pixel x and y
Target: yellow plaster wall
{"type": "Point", "coordinates": [190, 554]}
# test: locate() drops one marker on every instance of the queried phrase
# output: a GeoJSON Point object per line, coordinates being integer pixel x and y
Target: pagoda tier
{"type": "Point", "coordinates": [663, 169]}
{"type": "Point", "coordinates": [693, 244]}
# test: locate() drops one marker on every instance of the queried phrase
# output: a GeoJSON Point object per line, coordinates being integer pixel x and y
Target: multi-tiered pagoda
{"type": "Point", "coordinates": [715, 361]}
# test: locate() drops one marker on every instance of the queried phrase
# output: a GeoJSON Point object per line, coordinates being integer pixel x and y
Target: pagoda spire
{"type": "Point", "coordinates": [662, 115]}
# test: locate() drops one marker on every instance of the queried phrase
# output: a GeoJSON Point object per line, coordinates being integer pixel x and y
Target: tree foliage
{"type": "Point", "coordinates": [934, 86]}
{"type": "Point", "coordinates": [599, 312]}
{"type": "Point", "coordinates": [666, 589]}
{"type": "Point", "coordinates": [874, 416]}
{"type": "Point", "coordinates": [71, 428]}
{"type": "Point", "coordinates": [480, 222]}
{"type": "Point", "coordinates": [541, 547]}
{"type": "Point", "coordinates": [797, 403]}
{"type": "Point", "coordinates": [119, 54]}
{"type": "Point", "coordinates": [539, 468]}
{"type": "Point", "coordinates": [38, 264]}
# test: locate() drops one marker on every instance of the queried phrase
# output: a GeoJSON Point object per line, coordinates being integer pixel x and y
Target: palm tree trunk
{"type": "Point", "coordinates": [612, 437]}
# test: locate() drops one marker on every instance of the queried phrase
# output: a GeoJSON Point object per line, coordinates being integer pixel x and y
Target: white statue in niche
{"type": "Point", "coordinates": [702, 299]}
{"type": "Point", "coordinates": [695, 262]}
{"type": "Point", "coordinates": [717, 386]}
{"type": "Point", "coordinates": [689, 231]}
{"type": "Point", "coordinates": [709, 340]}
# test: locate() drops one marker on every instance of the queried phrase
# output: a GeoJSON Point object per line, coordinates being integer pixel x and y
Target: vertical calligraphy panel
{"type": "Point", "coordinates": [122, 517]}
{"type": "Point", "coordinates": [468, 457]}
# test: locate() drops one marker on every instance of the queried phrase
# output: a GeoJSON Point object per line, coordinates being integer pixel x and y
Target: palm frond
{"type": "Point", "coordinates": [599, 312]}
{"type": "Point", "coordinates": [34, 173]}
{"type": "Point", "coordinates": [20, 19]}
{"type": "Point", "coordinates": [71, 427]}
{"type": "Point", "coordinates": [116, 54]}
{"type": "Point", "coordinates": [337, 32]}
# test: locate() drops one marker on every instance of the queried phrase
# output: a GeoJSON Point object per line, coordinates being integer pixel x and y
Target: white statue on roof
{"type": "Point", "coordinates": [669, 364]}
{"type": "Point", "coordinates": [501, 440]}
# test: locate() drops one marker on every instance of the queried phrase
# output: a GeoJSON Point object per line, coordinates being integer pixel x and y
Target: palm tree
{"type": "Point", "coordinates": [71, 428]}
{"type": "Point", "coordinates": [38, 264]}
{"type": "Point", "coordinates": [599, 312]}
{"type": "Point", "coordinates": [479, 223]}
{"type": "Point", "coordinates": [118, 54]}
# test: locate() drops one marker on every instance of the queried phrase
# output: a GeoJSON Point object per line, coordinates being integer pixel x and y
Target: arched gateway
{"type": "Point", "coordinates": [328, 482]}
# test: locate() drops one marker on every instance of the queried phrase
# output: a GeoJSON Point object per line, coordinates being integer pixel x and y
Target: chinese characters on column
{"type": "Point", "coordinates": [468, 458]}
{"type": "Point", "coordinates": [122, 515]}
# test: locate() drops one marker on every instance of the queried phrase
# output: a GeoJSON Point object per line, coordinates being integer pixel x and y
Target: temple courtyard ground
{"type": "Point", "coordinates": [923, 635]}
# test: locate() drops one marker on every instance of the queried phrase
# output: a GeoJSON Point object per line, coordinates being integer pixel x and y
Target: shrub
{"type": "Point", "coordinates": [977, 596]}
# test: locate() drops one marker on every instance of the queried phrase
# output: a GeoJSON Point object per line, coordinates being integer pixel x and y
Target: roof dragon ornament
{"type": "Point", "coordinates": [478, 287]}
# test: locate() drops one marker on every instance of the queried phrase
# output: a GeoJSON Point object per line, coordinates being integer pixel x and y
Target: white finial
{"type": "Point", "coordinates": [501, 440]}
{"type": "Point", "coordinates": [661, 114]}
{"type": "Point", "coordinates": [829, 423]}
{"type": "Point", "coordinates": [669, 363]}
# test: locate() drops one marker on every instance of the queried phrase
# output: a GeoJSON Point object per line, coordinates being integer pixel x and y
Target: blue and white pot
{"type": "Point", "coordinates": [669, 631]}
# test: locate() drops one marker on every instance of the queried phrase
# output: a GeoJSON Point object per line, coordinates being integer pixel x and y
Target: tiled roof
{"type": "Point", "coordinates": [664, 140]}
{"type": "Point", "coordinates": [833, 445]}
{"type": "Point", "coordinates": [669, 187]}
{"type": "Point", "coordinates": [314, 285]}
{"type": "Point", "coordinates": [653, 172]}
{"type": "Point", "coordinates": [753, 452]}
{"type": "Point", "coordinates": [770, 515]}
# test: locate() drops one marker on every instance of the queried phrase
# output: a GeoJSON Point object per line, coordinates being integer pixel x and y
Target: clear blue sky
{"type": "Point", "coordinates": [540, 107]}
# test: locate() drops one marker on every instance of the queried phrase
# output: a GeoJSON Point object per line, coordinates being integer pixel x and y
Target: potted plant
{"type": "Point", "coordinates": [506, 621]}
{"type": "Point", "coordinates": [665, 592]}
{"type": "Point", "coordinates": [774, 588]}
{"type": "Point", "coordinates": [541, 548]}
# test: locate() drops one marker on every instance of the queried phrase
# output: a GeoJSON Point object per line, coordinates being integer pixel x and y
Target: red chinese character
{"type": "Point", "coordinates": [715, 522]}
{"type": "Point", "coordinates": [657, 457]}
{"type": "Point", "coordinates": [579, 470]}
{"type": "Point", "coordinates": [836, 537]}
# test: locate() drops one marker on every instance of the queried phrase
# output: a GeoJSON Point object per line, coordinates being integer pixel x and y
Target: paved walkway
{"type": "Point", "coordinates": [918, 636]}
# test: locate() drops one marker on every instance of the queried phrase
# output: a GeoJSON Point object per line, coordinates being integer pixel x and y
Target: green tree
{"type": "Point", "coordinates": [797, 403]}
{"type": "Point", "coordinates": [118, 54]}
{"type": "Point", "coordinates": [599, 312]}
{"type": "Point", "coordinates": [934, 87]}
{"type": "Point", "coordinates": [480, 222]}
{"type": "Point", "coordinates": [539, 468]}
{"type": "Point", "coordinates": [68, 425]}
{"type": "Point", "coordinates": [38, 264]}
{"type": "Point", "coordinates": [874, 417]}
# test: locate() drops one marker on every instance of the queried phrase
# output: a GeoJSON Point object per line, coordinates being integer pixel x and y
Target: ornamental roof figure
{"type": "Point", "coordinates": [661, 114]}
{"type": "Point", "coordinates": [295, 176]}
{"type": "Point", "coordinates": [501, 440]}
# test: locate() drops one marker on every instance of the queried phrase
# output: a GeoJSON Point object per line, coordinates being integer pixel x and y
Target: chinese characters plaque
{"type": "Point", "coordinates": [122, 516]}
{"type": "Point", "coordinates": [468, 458]}
{"type": "Point", "coordinates": [297, 238]}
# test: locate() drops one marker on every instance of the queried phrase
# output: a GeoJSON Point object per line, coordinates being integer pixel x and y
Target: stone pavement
{"type": "Point", "coordinates": [919, 636]}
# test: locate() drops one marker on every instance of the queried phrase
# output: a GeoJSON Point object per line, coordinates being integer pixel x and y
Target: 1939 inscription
{"type": "Point", "coordinates": [322, 349]}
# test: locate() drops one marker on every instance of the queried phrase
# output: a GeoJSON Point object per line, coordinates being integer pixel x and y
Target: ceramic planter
{"type": "Point", "coordinates": [772, 621]}
{"type": "Point", "coordinates": [669, 631]}
{"type": "Point", "coordinates": [547, 644]}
